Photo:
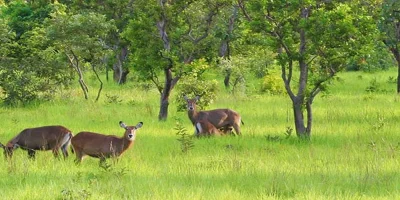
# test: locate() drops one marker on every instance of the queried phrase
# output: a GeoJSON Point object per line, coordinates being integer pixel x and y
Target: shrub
{"type": "Point", "coordinates": [194, 85]}
{"type": "Point", "coordinates": [272, 83]}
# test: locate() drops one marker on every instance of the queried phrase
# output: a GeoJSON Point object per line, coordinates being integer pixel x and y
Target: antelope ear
{"type": "Point", "coordinates": [185, 97]}
{"type": "Point", "coordinates": [15, 146]}
{"type": "Point", "coordinates": [197, 98]}
{"type": "Point", "coordinates": [1, 145]}
{"type": "Point", "coordinates": [122, 124]}
{"type": "Point", "coordinates": [140, 124]}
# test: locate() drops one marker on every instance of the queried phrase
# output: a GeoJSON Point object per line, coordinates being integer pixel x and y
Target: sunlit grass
{"type": "Point", "coordinates": [353, 154]}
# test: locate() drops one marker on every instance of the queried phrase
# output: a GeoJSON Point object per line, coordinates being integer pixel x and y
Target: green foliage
{"type": "Point", "coordinates": [19, 87]}
{"type": "Point", "coordinates": [195, 84]}
{"type": "Point", "coordinates": [186, 140]}
{"type": "Point", "coordinates": [237, 70]}
{"type": "Point", "coordinates": [371, 58]}
{"type": "Point", "coordinates": [388, 23]}
{"type": "Point", "coordinates": [313, 42]}
{"type": "Point", "coordinates": [27, 69]}
{"type": "Point", "coordinates": [272, 83]}
{"type": "Point", "coordinates": [375, 87]}
{"type": "Point", "coordinates": [23, 17]}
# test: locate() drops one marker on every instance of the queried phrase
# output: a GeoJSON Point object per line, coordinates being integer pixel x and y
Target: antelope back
{"type": "Point", "coordinates": [43, 138]}
{"type": "Point", "coordinates": [97, 145]}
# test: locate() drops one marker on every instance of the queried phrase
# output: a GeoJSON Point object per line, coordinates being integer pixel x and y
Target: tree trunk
{"type": "Point", "coordinates": [120, 76]}
{"type": "Point", "coordinates": [119, 73]}
{"type": "Point", "coordinates": [164, 104]}
{"type": "Point", "coordinates": [301, 130]}
{"type": "Point", "coordinates": [73, 60]}
{"type": "Point", "coordinates": [101, 82]}
{"type": "Point", "coordinates": [398, 76]}
{"type": "Point", "coordinates": [164, 99]}
{"type": "Point", "coordinates": [227, 78]}
{"type": "Point", "coordinates": [224, 50]}
{"type": "Point", "coordinates": [396, 55]}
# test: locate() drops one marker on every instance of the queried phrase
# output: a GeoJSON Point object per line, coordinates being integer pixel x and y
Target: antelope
{"type": "Point", "coordinates": [220, 118]}
{"type": "Point", "coordinates": [204, 127]}
{"type": "Point", "coordinates": [103, 146]}
{"type": "Point", "coordinates": [40, 138]}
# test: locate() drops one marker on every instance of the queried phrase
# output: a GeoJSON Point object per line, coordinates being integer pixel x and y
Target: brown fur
{"type": "Point", "coordinates": [40, 138]}
{"type": "Point", "coordinates": [205, 128]}
{"type": "Point", "coordinates": [103, 146]}
{"type": "Point", "coordinates": [221, 118]}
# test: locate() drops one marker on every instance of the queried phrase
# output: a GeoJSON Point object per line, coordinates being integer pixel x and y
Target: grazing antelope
{"type": "Point", "coordinates": [103, 146]}
{"type": "Point", "coordinates": [220, 118]}
{"type": "Point", "coordinates": [40, 138]}
{"type": "Point", "coordinates": [205, 128]}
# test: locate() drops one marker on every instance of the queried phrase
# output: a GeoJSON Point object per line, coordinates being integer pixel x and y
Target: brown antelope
{"type": "Point", "coordinates": [205, 128]}
{"type": "Point", "coordinates": [220, 118]}
{"type": "Point", "coordinates": [40, 138]}
{"type": "Point", "coordinates": [103, 146]}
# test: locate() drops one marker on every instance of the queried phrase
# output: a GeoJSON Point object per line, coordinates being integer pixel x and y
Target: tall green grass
{"type": "Point", "coordinates": [353, 154]}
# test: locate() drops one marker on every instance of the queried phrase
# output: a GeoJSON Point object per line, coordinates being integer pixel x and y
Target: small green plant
{"type": "Point", "coordinates": [379, 124]}
{"type": "Point", "coordinates": [109, 168]}
{"type": "Point", "coordinates": [132, 102]}
{"type": "Point", "coordinates": [392, 79]}
{"type": "Point", "coordinates": [105, 166]}
{"type": "Point", "coordinates": [375, 87]}
{"type": "Point", "coordinates": [73, 194]}
{"type": "Point", "coordinates": [185, 139]}
{"type": "Point", "coordinates": [273, 138]}
{"type": "Point", "coordinates": [288, 132]}
{"type": "Point", "coordinates": [113, 99]}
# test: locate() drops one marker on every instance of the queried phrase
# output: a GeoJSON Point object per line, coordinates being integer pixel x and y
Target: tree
{"type": "Point", "coordinates": [226, 35]}
{"type": "Point", "coordinates": [312, 40]}
{"type": "Point", "coordinates": [24, 73]}
{"type": "Point", "coordinates": [120, 11]}
{"type": "Point", "coordinates": [389, 25]}
{"type": "Point", "coordinates": [166, 37]}
{"type": "Point", "coordinates": [80, 39]}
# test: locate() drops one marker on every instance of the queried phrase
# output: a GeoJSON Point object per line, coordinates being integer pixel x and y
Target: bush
{"type": "Point", "coordinates": [272, 83]}
{"type": "Point", "coordinates": [194, 84]}
{"type": "Point", "coordinates": [192, 87]}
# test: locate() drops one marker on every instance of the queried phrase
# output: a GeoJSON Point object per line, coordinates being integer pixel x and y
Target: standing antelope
{"type": "Point", "coordinates": [103, 146]}
{"type": "Point", "coordinates": [40, 138]}
{"type": "Point", "coordinates": [220, 118]}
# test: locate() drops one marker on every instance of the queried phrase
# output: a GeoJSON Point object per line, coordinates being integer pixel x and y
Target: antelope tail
{"type": "Point", "coordinates": [72, 148]}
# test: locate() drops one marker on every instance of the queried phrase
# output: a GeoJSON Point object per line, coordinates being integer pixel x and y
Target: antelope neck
{"type": "Point", "coordinates": [193, 115]}
{"type": "Point", "coordinates": [126, 143]}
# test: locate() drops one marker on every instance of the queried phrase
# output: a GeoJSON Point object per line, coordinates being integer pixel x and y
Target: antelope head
{"type": "Point", "coordinates": [8, 149]}
{"type": "Point", "coordinates": [191, 103]}
{"type": "Point", "coordinates": [130, 131]}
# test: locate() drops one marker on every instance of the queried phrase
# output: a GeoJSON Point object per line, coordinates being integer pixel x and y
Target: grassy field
{"type": "Point", "coordinates": [354, 152]}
